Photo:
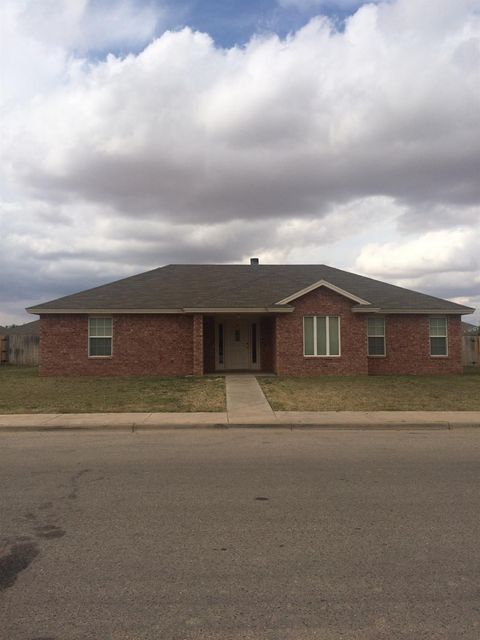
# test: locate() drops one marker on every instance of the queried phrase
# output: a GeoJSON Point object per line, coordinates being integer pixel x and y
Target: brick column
{"type": "Point", "coordinates": [276, 342]}
{"type": "Point", "coordinates": [198, 344]}
{"type": "Point", "coordinates": [274, 345]}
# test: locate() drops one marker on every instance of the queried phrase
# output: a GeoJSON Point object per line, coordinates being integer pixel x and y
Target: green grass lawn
{"type": "Point", "coordinates": [375, 393]}
{"type": "Point", "coordinates": [22, 390]}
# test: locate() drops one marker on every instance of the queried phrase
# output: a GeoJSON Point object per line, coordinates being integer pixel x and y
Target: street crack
{"type": "Point", "coordinates": [49, 531]}
{"type": "Point", "coordinates": [75, 484]}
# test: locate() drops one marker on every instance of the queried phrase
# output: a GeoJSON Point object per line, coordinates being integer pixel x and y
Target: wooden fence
{"type": "Point", "coordinates": [471, 350]}
{"type": "Point", "coordinates": [20, 349]}
{"type": "Point", "coordinates": [3, 349]}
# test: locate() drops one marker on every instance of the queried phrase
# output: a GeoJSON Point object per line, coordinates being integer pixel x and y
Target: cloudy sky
{"type": "Point", "coordinates": [137, 133]}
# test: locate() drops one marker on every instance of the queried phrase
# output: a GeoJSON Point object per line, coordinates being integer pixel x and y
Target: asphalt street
{"type": "Point", "coordinates": [240, 534]}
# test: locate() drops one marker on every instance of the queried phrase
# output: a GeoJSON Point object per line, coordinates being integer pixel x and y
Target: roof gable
{"type": "Point", "coordinates": [328, 285]}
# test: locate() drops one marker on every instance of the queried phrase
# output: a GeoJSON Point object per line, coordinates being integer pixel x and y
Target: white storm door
{"type": "Point", "coordinates": [237, 344]}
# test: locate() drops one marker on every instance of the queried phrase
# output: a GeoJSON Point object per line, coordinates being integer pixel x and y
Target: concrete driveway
{"type": "Point", "coordinates": [240, 534]}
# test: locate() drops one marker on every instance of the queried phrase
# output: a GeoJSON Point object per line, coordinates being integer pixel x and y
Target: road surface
{"type": "Point", "coordinates": [240, 534]}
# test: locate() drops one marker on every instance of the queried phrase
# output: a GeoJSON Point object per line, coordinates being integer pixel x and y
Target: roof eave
{"type": "Point", "coordinates": [461, 311]}
{"type": "Point", "coordinates": [184, 310]}
{"type": "Point", "coordinates": [269, 309]}
{"type": "Point", "coordinates": [102, 310]}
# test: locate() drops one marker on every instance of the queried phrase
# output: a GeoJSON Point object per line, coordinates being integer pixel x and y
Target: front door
{"type": "Point", "coordinates": [237, 344]}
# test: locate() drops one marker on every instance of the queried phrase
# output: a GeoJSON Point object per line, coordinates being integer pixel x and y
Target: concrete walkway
{"type": "Point", "coordinates": [246, 402]}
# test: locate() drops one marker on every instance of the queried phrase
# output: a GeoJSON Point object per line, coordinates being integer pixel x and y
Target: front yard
{"type": "Point", "coordinates": [374, 393]}
{"type": "Point", "coordinates": [22, 390]}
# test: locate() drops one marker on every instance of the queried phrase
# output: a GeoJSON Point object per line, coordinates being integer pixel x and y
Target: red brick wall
{"type": "Point", "coordinates": [164, 344]}
{"type": "Point", "coordinates": [289, 339]}
{"type": "Point", "coordinates": [142, 345]}
{"type": "Point", "coordinates": [407, 342]}
{"type": "Point", "coordinates": [407, 347]}
{"type": "Point", "coordinates": [198, 344]}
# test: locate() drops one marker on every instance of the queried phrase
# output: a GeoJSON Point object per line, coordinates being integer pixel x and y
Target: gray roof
{"type": "Point", "coordinates": [27, 329]}
{"type": "Point", "coordinates": [237, 286]}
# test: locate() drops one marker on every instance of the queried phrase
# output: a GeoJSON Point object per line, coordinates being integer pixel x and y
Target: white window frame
{"type": "Point", "coordinates": [377, 355]}
{"type": "Point", "coordinates": [110, 336]}
{"type": "Point", "coordinates": [327, 328]}
{"type": "Point", "coordinates": [439, 355]}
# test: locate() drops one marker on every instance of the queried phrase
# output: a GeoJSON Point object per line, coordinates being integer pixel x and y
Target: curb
{"type": "Point", "coordinates": [132, 428]}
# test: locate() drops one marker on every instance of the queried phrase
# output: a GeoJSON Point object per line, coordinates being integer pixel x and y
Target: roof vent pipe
{"type": "Point", "coordinates": [253, 261]}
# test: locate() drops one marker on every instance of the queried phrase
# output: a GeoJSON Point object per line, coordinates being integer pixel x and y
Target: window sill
{"type": "Point", "coordinates": [100, 357]}
{"type": "Point", "coordinates": [328, 357]}
{"type": "Point", "coordinates": [444, 357]}
{"type": "Point", "coordinates": [377, 356]}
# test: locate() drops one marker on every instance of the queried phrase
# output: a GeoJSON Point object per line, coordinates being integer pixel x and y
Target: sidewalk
{"type": "Point", "coordinates": [279, 419]}
{"type": "Point", "coordinates": [247, 407]}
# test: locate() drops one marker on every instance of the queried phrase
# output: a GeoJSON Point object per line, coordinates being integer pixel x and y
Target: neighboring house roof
{"type": "Point", "coordinates": [188, 288]}
{"type": "Point", "coordinates": [470, 328]}
{"type": "Point", "coordinates": [27, 329]}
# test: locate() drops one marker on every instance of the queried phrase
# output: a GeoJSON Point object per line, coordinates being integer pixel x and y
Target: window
{"type": "Point", "coordinates": [321, 336]}
{"type": "Point", "coordinates": [254, 343]}
{"type": "Point", "coordinates": [220, 344]}
{"type": "Point", "coordinates": [99, 337]}
{"type": "Point", "coordinates": [438, 337]}
{"type": "Point", "coordinates": [376, 336]}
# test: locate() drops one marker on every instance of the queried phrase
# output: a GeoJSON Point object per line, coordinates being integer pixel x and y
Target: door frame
{"type": "Point", "coordinates": [221, 362]}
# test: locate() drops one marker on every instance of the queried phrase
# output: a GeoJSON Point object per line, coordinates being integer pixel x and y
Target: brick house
{"type": "Point", "coordinates": [284, 319]}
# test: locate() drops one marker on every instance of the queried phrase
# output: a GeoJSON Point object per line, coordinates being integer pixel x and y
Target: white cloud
{"type": "Point", "coordinates": [85, 25]}
{"type": "Point", "coordinates": [282, 148]}
{"type": "Point", "coordinates": [443, 263]}
{"type": "Point", "coordinates": [305, 5]}
{"type": "Point", "coordinates": [281, 127]}
{"type": "Point", "coordinates": [39, 39]}
{"type": "Point", "coordinates": [437, 251]}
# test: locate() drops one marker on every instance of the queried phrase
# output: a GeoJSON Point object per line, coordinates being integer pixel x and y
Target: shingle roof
{"type": "Point", "coordinates": [237, 286]}
{"type": "Point", "coordinates": [470, 328]}
{"type": "Point", "coordinates": [27, 329]}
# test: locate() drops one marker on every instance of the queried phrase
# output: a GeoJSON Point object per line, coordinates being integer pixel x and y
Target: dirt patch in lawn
{"type": "Point", "coordinates": [22, 390]}
{"type": "Point", "coordinates": [374, 393]}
